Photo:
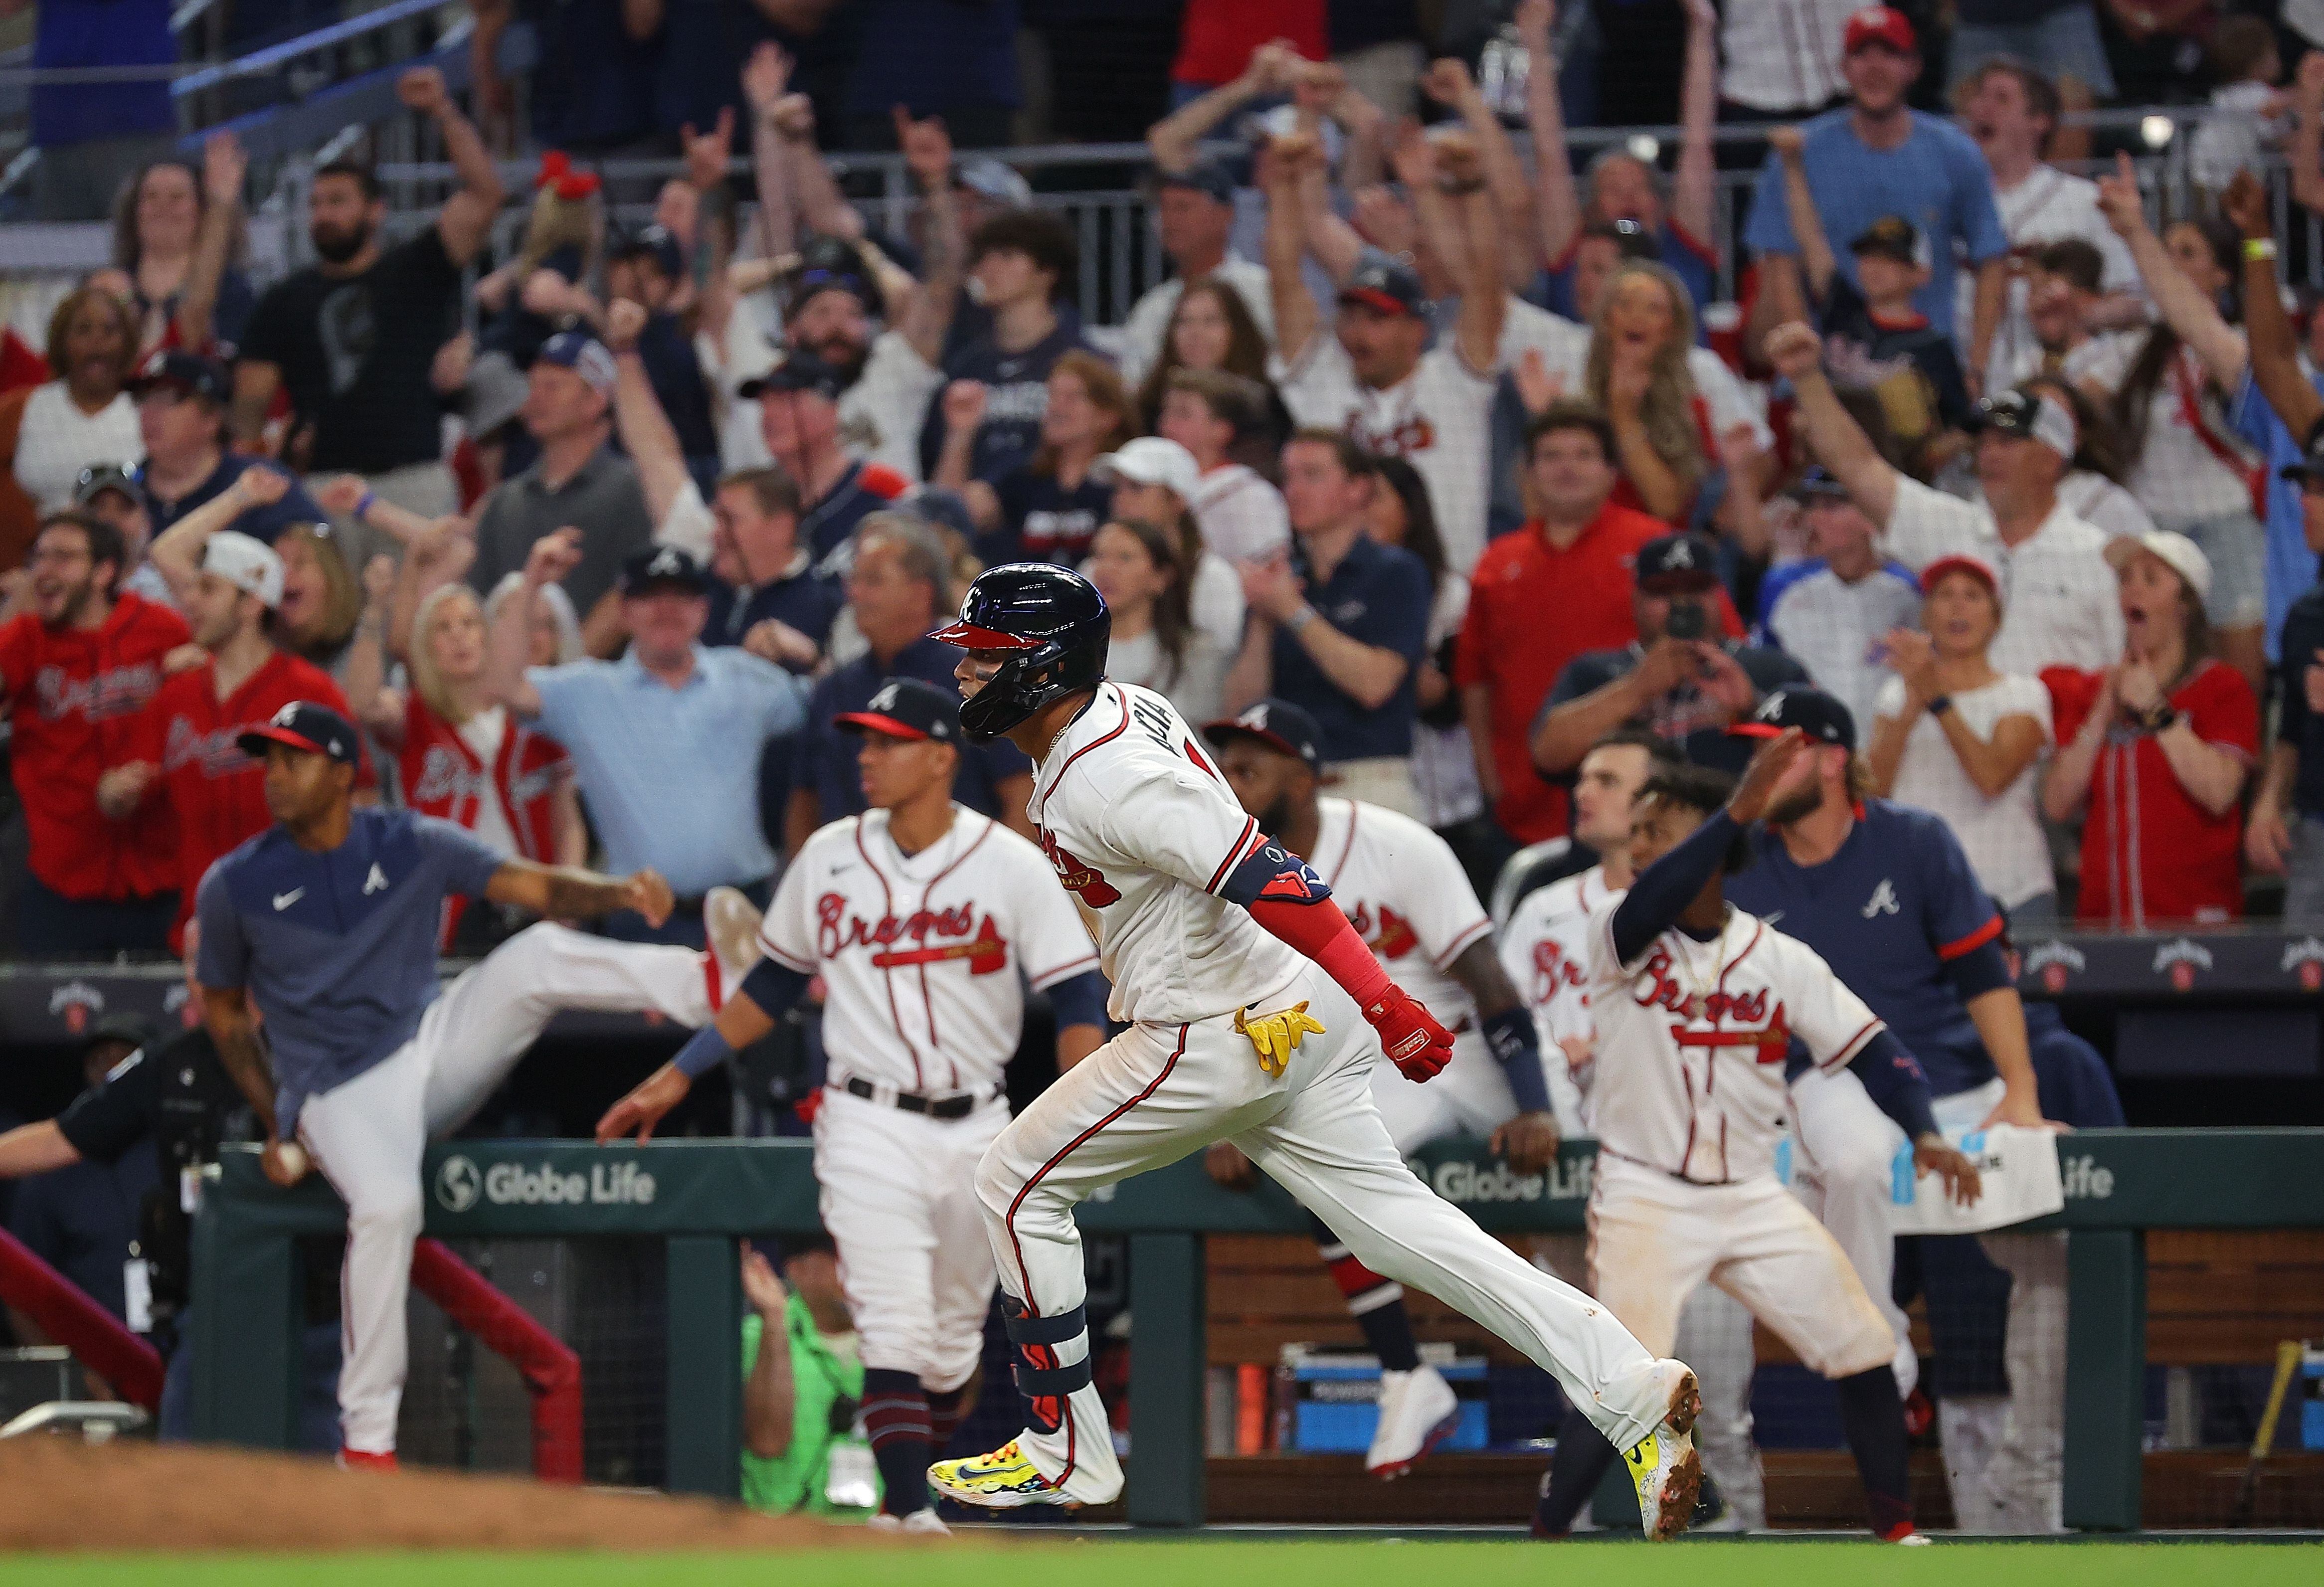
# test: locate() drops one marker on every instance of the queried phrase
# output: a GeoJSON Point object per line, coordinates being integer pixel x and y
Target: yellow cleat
{"type": "Point", "coordinates": [1003, 1479]}
{"type": "Point", "coordinates": [1664, 1467]}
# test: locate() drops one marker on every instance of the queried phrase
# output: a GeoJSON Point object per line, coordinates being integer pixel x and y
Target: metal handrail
{"type": "Point", "coordinates": [338, 33]}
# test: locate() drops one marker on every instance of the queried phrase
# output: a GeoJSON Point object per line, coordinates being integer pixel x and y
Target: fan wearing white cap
{"type": "Point", "coordinates": [1156, 482]}
{"type": "Point", "coordinates": [182, 745]}
{"type": "Point", "coordinates": [2153, 753]}
{"type": "Point", "coordinates": [2058, 593]}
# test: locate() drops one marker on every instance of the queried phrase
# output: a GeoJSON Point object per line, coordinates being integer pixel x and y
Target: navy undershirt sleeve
{"type": "Point", "coordinates": [1892, 1077]}
{"type": "Point", "coordinates": [773, 987]}
{"type": "Point", "coordinates": [1980, 969]}
{"type": "Point", "coordinates": [1662, 893]}
{"type": "Point", "coordinates": [1080, 1000]}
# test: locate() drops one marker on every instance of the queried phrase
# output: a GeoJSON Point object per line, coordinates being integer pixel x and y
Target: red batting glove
{"type": "Point", "coordinates": [1409, 1034]}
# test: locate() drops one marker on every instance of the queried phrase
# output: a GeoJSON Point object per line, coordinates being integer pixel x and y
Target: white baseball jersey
{"type": "Point", "coordinates": [1546, 953]}
{"type": "Point", "coordinates": [1692, 1038]}
{"type": "Point", "coordinates": [1143, 831]}
{"type": "Point", "coordinates": [922, 954]}
{"type": "Point", "coordinates": [1435, 419]}
{"type": "Point", "coordinates": [1404, 890]}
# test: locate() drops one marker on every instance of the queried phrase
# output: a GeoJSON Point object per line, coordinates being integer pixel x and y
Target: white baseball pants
{"type": "Point", "coordinates": [1156, 1094]}
{"type": "Point", "coordinates": [367, 1136]}
{"type": "Point", "coordinates": [1470, 1097]}
{"type": "Point", "coordinates": [1653, 1238]}
{"type": "Point", "coordinates": [899, 1198]}
{"type": "Point", "coordinates": [2023, 1482]}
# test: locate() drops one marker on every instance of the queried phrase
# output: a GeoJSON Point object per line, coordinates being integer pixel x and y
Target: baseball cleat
{"type": "Point", "coordinates": [1663, 1465]}
{"type": "Point", "coordinates": [1417, 1411]}
{"type": "Point", "coordinates": [367, 1460]}
{"type": "Point", "coordinates": [729, 921]}
{"type": "Point", "coordinates": [1003, 1479]}
{"type": "Point", "coordinates": [920, 1523]}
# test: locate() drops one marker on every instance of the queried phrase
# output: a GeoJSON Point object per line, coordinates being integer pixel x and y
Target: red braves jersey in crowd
{"type": "Point", "coordinates": [443, 776]}
{"type": "Point", "coordinates": [74, 694]}
{"type": "Point", "coordinates": [215, 793]}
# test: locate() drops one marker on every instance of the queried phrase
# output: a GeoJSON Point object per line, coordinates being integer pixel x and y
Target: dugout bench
{"type": "Point", "coordinates": [700, 1196]}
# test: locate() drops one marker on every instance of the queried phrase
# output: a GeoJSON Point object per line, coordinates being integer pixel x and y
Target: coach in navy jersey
{"type": "Point", "coordinates": [1886, 895]}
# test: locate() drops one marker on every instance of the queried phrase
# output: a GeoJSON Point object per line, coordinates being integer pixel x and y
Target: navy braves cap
{"type": "Point", "coordinates": [584, 355]}
{"type": "Point", "coordinates": [828, 265]}
{"type": "Point", "coordinates": [1818, 482]}
{"type": "Point", "coordinates": [1683, 561]}
{"type": "Point", "coordinates": [302, 724]}
{"type": "Point", "coordinates": [1387, 286]}
{"type": "Point", "coordinates": [1280, 725]}
{"type": "Point", "coordinates": [664, 565]}
{"type": "Point", "coordinates": [906, 708]}
{"type": "Point", "coordinates": [1206, 176]}
{"type": "Point", "coordinates": [656, 242]}
{"type": "Point", "coordinates": [1811, 710]}
{"type": "Point", "coordinates": [188, 372]}
{"type": "Point", "coordinates": [100, 477]}
{"type": "Point", "coordinates": [800, 371]}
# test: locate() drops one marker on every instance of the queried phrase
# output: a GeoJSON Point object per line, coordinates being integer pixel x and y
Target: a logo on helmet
{"type": "Point", "coordinates": [1085, 882]}
{"type": "Point", "coordinates": [885, 700]}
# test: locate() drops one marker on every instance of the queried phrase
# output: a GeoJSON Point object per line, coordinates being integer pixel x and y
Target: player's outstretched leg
{"type": "Point", "coordinates": [1845, 1146]}
{"type": "Point", "coordinates": [1149, 1096]}
{"type": "Point", "coordinates": [482, 1025]}
{"type": "Point", "coordinates": [1329, 1148]}
{"type": "Point", "coordinates": [1417, 1408]}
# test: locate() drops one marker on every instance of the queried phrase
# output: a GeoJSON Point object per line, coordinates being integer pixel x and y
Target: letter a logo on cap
{"type": "Point", "coordinates": [885, 700]}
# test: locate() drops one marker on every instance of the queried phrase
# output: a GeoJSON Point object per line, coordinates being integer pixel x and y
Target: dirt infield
{"type": "Point", "coordinates": [62, 1494]}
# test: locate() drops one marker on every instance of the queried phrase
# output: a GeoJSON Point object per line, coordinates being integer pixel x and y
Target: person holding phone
{"type": "Point", "coordinates": [1682, 680]}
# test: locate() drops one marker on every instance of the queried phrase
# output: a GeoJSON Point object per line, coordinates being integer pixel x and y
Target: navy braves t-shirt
{"type": "Point", "coordinates": [1377, 595]}
{"type": "Point", "coordinates": [338, 949]}
{"type": "Point", "coordinates": [805, 601]}
{"type": "Point", "coordinates": [825, 757]}
{"type": "Point", "coordinates": [1889, 912]}
{"type": "Point", "coordinates": [1043, 522]}
{"type": "Point", "coordinates": [1016, 397]}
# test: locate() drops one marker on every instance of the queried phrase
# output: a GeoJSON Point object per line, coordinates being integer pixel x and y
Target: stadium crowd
{"type": "Point", "coordinates": [1431, 432]}
{"type": "Point", "coordinates": [1427, 432]}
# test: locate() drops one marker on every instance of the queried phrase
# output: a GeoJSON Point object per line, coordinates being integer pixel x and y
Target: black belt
{"type": "Point", "coordinates": [959, 1105]}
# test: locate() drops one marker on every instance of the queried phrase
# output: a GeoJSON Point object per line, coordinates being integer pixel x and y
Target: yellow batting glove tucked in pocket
{"type": "Point", "coordinates": [1276, 1035]}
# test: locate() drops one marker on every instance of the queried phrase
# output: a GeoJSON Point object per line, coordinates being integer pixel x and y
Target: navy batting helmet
{"type": "Point", "coordinates": [1055, 627]}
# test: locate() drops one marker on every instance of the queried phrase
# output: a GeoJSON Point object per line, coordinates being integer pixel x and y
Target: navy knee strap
{"type": "Point", "coordinates": [1024, 1328]}
{"type": "Point", "coordinates": [1041, 1382]}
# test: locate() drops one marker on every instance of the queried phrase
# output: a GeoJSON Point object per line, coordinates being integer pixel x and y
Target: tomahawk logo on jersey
{"type": "Point", "coordinates": [912, 948]}
{"type": "Point", "coordinates": [1691, 1038]}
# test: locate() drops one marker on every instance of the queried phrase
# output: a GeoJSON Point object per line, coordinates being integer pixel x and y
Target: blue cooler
{"type": "Point", "coordinates": [1335, 1400]}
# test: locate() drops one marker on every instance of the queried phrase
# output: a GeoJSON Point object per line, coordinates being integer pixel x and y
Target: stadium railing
{"type": "Point", "coordinates": [699, 1196]}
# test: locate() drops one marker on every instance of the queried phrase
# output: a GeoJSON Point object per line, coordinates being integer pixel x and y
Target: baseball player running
{"type": "Point", "coordinates": [325, 925]}
{"type": "Point", "coordinates": [1247, 1005]}
{"type": "Point", "coordinates": [925, 920]}
{"type": "Point", "coordinates": [1404, 890]}
{"type": "Point", "coordinates": [1696, 1005]}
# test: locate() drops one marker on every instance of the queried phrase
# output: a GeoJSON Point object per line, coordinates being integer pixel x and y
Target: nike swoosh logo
{"type": "Point", "coordinates": [284, 900]}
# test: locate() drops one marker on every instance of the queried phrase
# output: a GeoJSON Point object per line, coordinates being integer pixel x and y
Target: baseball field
{"type": "Point", "coordinates": [79, 1516]}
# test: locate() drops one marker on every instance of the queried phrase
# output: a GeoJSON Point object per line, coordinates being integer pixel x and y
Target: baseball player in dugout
{"type": "Point", "coordinates": [1886, 894]}
{"type": "Point", "coordinates": [325, 925]}
{"type": "Point", "coordinates": [1696, 1005]}
{"type": "Point", "coordinates": [1405, 892]}
{"type": "Point", "coordinates": [1254, 1013]}
{"type": "Point", "coordinates": [927, 921]}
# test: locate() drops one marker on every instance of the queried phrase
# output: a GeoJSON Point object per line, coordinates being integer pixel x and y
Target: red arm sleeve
{"type": "Point", "coordinates": [1320, 932]}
